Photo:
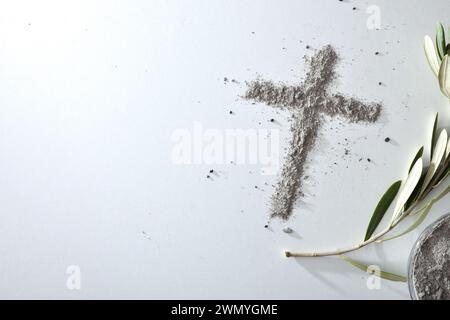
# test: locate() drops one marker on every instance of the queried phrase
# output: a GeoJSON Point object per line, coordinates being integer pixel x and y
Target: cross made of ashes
{"type": "Point", "coordinates": [307, 103]}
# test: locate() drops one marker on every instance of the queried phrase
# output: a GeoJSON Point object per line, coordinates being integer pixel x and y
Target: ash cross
{"type": "Point", "coordinates": [307, 102]}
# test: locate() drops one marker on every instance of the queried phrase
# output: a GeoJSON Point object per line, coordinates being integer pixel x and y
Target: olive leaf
{"type": "Point", "coordinates": [423, 213]}
{"type": "Point", "coordinates": [448, 44]}
{"type": "Point", "coordinates": [444, 176]}
{"type": "Point", "coordinates": [416, 193]}
{"type": "Point", "coordinates": [436, 159]}
{"type": "Point", "coordinates": [417, 157]}
{"type": "Point", "coordinates": [422, 216]}
{"type": "Point", "coordinates": [431, 55]}
{"type": "Point", "coordinates": [408, 188]}
{"type": "Point", "coordinates": [440, 41]}
{"type": "Point", "coordinates": [382, 274]}
{"type": "Point", "coordinates": [382, 207]}
{"type": "Point", "coordinates": [417, 189]}
{"type": "Point", "coordinates": [444, 76]}
{"type": "Point", "coordinates": [443, 173]}
{"type": "Point", "coordinates": [434, 133]}
{"type": "Point", "coordinates": [447, 151]}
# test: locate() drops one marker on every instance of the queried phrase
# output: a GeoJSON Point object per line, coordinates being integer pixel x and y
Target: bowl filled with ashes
{"type": "Point", "coordinates": [429, 263]}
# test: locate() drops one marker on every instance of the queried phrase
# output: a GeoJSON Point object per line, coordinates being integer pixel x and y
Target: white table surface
{"type": "Point", "coordinates": [91, 92]}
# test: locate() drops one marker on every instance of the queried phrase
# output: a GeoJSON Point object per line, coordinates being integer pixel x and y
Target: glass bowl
{"type": "Point", "coordinates": [425, 234]}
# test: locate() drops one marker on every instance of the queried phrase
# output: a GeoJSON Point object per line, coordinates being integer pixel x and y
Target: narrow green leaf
{"type": "Point", "coordinates": [415, 194]}
{"type": "Point", "coordinates": [423, 213]}
{"type": "Point", "coordinates": [440, 41]}
{"type": "Point", "coordinates": [417, 157]}
{"type": "Point", "coordinates": [434, 133]}
{"type": "Point", "coordinates": [382, 207]}
{"type": "Point", "coordinates": [444, 176]}
{"type": "Point", "coordinates": [436, 160]}
{"type": "Point", "coordinates": [444, 76]}
{"type": "Point", "coordinates": [408, 188]}
{"type": "Point", "coordinates": [382, 274]}
{"type": "Point", "coordinates": [422, 216]}
{"type": "Point", "coordinates": [444, 172]}
{"type": "Point", "coordinates": [430, 53]}
{"type": "Point", "coordinates": [447, 151]}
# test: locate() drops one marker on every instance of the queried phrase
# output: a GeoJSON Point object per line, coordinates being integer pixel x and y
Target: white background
{"type": "Point", "coordinates": [91, 92]}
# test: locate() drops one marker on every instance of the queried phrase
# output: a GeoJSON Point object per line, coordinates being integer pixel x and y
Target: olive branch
{"type": "Point", "coordinates": [413, 194]}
